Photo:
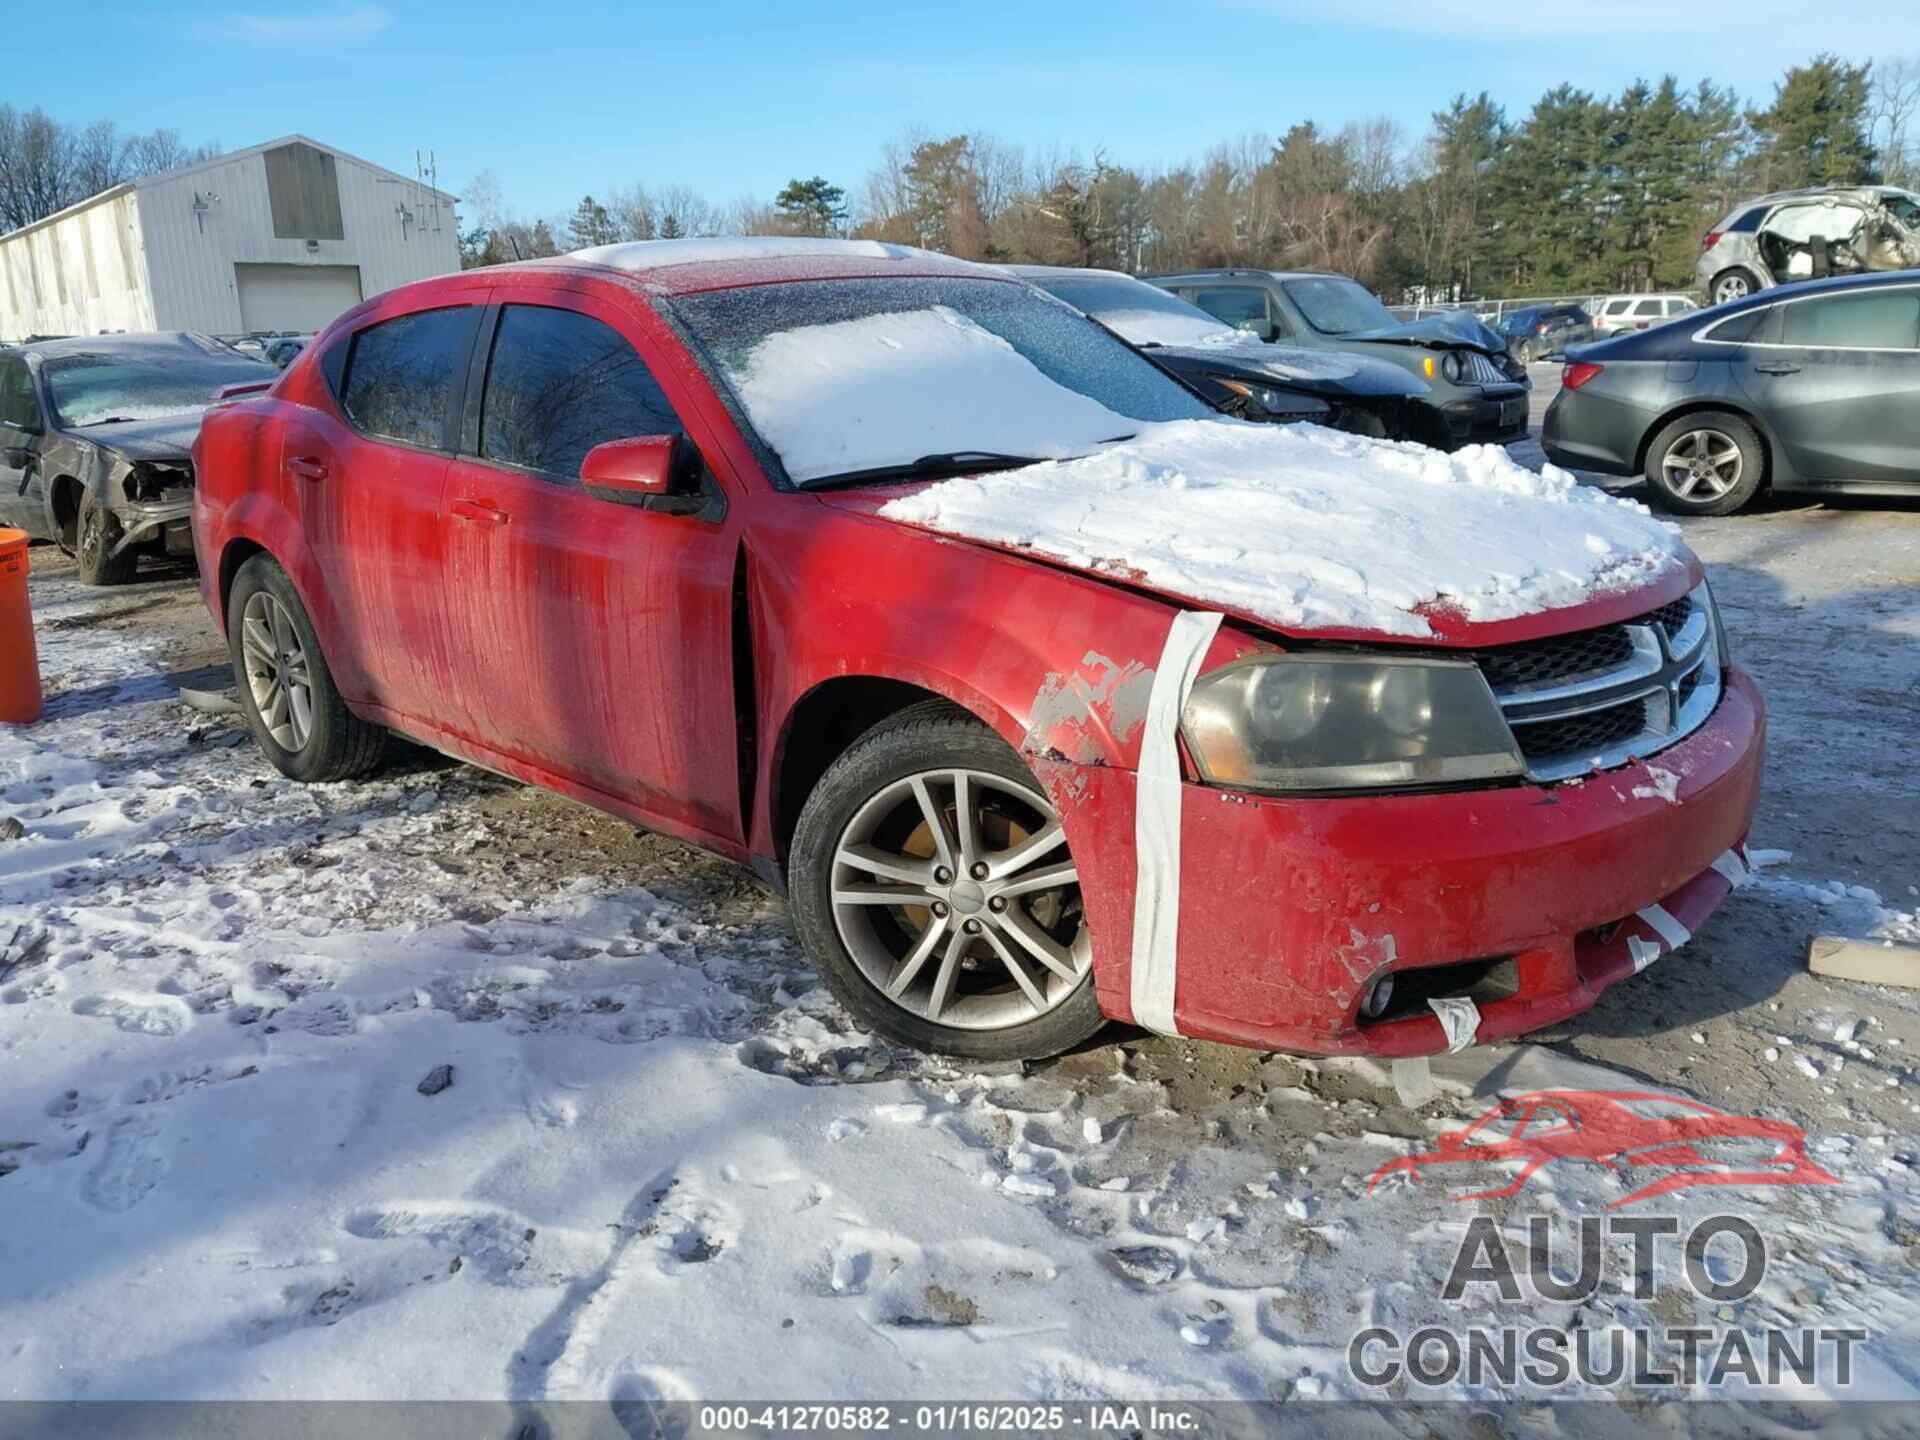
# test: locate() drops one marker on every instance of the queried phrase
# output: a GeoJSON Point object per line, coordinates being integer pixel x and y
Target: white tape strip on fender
{"type": "Point", "coordinates": [1156, 823]}
{"type": "Point", "coordinates": [1665, 926]}
{"type": "Point", "coordinates": [1459, 1017]}
{"type": "Point", "coordinates": [1644, 952]}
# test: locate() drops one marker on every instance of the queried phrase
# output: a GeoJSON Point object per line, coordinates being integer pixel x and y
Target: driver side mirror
{"type": "Point", "coordinates": [639, 471]}
{"type": "Point", "coordinates": [16, 457]}
{"type": "Point", "coordinates": [1261, 329]}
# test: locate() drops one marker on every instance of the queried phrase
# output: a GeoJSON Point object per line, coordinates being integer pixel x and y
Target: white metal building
{"type": "Point", "coordinates": [282, 236]}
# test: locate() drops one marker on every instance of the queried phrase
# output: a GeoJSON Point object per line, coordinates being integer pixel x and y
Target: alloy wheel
{"type": "Point", "coordinates": [1731, 287]}
{"type": "Point", "coordinates": [278, 674]}
{"type": "Point", "coordinates": [954, 893]}
{"type": "Point", "coordinates": [1702, 465]}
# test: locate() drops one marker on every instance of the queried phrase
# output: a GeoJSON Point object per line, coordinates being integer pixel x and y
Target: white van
{"type": "Point", "coordinates": [1616, 314]}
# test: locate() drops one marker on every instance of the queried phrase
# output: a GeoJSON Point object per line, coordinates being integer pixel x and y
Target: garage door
{"type": "Point", "coordinates": [295, 297]}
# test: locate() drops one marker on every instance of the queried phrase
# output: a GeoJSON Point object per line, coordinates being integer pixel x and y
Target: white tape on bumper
{"type": "Point", "coordinates": [1156, 828]}
{"type": "Point", "coordinates": [1644, 952]}
{"type": "Point", "coordinates": [1732, 868]}
{"type": "Point", "coordinates": [1459, 1017]}
{"type": "Point", "coordinates": [1665, 926]}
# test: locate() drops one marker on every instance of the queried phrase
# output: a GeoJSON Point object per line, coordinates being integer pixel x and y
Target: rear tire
{"type": "Point", "coordinates": [1730, 285]}
{"type": "Point", "coordinates": [96, 533]}
{"type": "Point", "coordinates": [932, 972]}
{"type": "Point", "coordinates": [286, 690]}
{"type": "Point", "coordinates": [1707, 463]}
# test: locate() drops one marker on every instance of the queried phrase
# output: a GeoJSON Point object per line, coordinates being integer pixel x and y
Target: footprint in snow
{"type": "Point", "coordinates": [162, 1015]}
{"type": "Point", "coordinates": [653, 1403]}
{"type": "Point", "coordinates": [130, 1165]}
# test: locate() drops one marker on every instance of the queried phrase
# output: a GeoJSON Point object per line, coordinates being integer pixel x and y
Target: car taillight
{"type": "Point", "coordinates": [1578, 373]}
{"type": "Point", "coordinates": [1709, 240]}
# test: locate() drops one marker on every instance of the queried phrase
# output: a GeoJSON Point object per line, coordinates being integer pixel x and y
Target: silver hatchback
{"type": "Point", "coordinates": [1807, 234]}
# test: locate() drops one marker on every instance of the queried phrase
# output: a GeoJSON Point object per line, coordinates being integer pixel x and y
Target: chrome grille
{"type": "Point", "coordinates": [1599, 698]}
{"type": "Point", "coordinates": [1481, 370]}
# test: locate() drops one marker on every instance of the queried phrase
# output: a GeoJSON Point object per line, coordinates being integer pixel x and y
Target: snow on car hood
{"type": "Point", "coordinates": [1306, 528]}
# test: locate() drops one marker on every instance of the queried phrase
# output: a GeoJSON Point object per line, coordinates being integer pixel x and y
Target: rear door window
{"type": "Point", "coordinates": [402, 375]}
{"type": "Point", "coordinates": [558, 384]}
{"type": "Point", "coordinates": [1647, 307]}
{"type": "Point", "coordinates": [1876, 320]}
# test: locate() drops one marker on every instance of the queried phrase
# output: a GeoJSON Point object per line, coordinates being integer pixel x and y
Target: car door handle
{"type": "Point", "coordinates": [308, 467]}
{"type": "Point", "coordinates": [479, 510]}
{"type": "Point", "coordinates": [1777, 367]}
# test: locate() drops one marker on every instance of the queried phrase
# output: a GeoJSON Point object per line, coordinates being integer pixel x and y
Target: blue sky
{"type": "Point", "coordinates": [735, 98]}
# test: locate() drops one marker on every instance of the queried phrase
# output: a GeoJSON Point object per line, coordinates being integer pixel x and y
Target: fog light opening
{"type": "Point", "coordinates": [1374, 1005]}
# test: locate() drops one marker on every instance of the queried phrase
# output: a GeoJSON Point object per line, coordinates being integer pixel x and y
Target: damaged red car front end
{"type": "Point", "coordinates": [1009, 794]}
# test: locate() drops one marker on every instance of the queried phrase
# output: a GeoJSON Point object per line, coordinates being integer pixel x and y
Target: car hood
{"type": "Point", "coordinates": [1435, 332]}
{"type": "Point", "coordinates": [1315, 372]}
{"type": "Point", "coordinates": [168, 438]}
{"type": "Point", "coordinates": [1312, 532]}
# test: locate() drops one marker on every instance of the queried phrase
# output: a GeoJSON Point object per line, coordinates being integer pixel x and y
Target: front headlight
{"type": "Point", "coordinates": [1453, 366]}
{"type": "Point", "coordinates": [1347, 722]}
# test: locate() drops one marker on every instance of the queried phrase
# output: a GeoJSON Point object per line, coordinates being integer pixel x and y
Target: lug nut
{"type": "Point", "coordinates": [997, 904]}
{"type": "Point", "coordinates": [942, 876]}
{"type": "Point", "coordinates": [972, 927]}
{"type": "Point", "coordinates": [940, 908]}
{"type": "Point", "coordinates": [979, 870]}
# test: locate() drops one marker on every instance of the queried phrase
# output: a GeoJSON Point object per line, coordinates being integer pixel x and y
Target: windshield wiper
{"type": "Point", "coordinates": [946, 462]}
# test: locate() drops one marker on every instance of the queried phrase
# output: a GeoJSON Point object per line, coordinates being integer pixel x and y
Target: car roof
{"type": "Point", "coordinates": [1045, 272]}
{"type": "Point", "coordinates": [1874, 280]}
{"type": "Point", "coordinates": [152, 343]}
{"type": "Point", "coordinates": [1248, 270]}
{"type": "Point", "coordinates": [686, 266]}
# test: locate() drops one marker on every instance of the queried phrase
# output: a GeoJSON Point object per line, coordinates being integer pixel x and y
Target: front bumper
{"type": "Point", "coordinates": [1492, 417]}
{"type": "Point", "coordinates": [170, 522]}
{"type": "Point", "coordinates": [1290, 909]}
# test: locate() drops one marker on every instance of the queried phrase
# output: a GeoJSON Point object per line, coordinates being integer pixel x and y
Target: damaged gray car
{"type": "Point", "coordinates": [1807, 235]}
{"type": "Point", "coordinates": [95, 435]}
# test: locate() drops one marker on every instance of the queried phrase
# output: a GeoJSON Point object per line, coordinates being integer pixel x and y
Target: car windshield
{"type": "Point", "coordinates": [841, 378]}
{"type": "Point", "coordinates": [1335, 305]}
{"type": "Point", "coordinates": [102, 389]}
{"type": "Point", "coordinates": [1141, 313]}
{"type": "Point", "coordinates": [1520, 320]}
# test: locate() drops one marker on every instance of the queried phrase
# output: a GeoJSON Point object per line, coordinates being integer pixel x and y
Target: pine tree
{"type": "Point", "coordinates": [812, 207]}
{"type": "Point", "coordinates": [1815, 132]}
{"type": "Point", "coordinates": [591, 225]}
{"type": "Point", "coordinates": [541, 242]}
{"type": "Point", "coordinates": [670, 227]}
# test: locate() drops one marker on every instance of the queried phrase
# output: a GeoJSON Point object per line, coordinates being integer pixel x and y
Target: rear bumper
{"type": "Point", "coordinates": [1592, 432]}
{"type": "Point", "coordinates": [1290, 910]}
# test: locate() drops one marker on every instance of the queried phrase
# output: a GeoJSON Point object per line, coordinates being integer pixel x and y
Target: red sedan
{"type": "Point", "coordinates": [612, 524]}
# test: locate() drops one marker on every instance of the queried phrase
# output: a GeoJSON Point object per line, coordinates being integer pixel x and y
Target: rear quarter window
{"type": "Point", "coordinates": [401, 375]}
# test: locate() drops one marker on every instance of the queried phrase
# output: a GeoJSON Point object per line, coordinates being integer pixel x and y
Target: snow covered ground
{"type": "Point", "coordinates": [667, 1167]}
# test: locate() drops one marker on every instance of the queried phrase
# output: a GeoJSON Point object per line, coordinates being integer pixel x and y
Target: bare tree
{"type": "Point", "coordinates": [1896, 107]}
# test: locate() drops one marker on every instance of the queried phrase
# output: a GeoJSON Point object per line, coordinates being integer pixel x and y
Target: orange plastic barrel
{"type": "Point", "coordinates": [20, 697]}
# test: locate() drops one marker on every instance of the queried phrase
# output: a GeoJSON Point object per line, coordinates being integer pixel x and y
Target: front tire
{"type": "Point", "coordinates": [1730, 285]}
{"type": "Point", "coordinates": [1709, 463]}
{"type": "Point", "coordinates": [931, 884]}
{"type": "Point", "coordinates": [96, 534]}
{"type": "Point", "coordinates": [286, 690]}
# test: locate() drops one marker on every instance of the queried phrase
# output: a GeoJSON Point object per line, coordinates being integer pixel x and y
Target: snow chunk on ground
{"type": "Point", "coordinates": [930, 380]}
{"type": "Point", "coordinates": [1308, 528]}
